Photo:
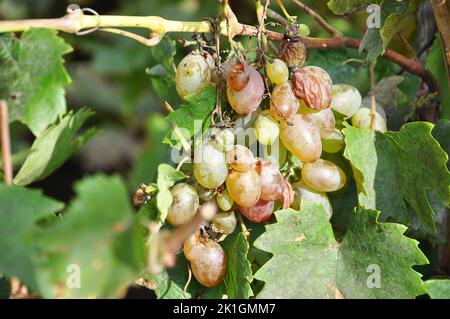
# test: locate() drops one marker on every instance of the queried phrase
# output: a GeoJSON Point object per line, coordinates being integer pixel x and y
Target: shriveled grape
{"type": "Point", "coordinates": [301, 138]}
{"type": "Point", "coordinates": [184, 205]}
{"type": "Point", "coordinates": [323, 176]}
{"type": "Point", "coordinates": [244, 187]}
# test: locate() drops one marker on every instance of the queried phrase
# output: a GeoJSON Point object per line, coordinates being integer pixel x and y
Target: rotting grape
{"type": "Point", "coordinates": [301, 138]}
{"type": "Point", "coordinates": [323, 176]}
{"type": "Point", "coordinates": [184, 205]}
{"type": "Point", "coordinates": [244, 187]}
{"type": "Point", "coordinates": [222, 139]}
{"type": "Point", "coordinates": [225, 222]}
{"type": "Point", "coordinates": [313, 86]}
{"type": "Point", "coordinates": [283, 103]}
{"type": "Point", "coordinates": [210, 264]}
{"type": "Point", "coordinates": [258, 213]}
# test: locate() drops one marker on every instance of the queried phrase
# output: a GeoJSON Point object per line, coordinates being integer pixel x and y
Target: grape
{"type": "Point", "coordinates": [244, 187]}
{"type": "Point", "coordinates": [304, 192]}
{"type": "Point", "coordinates": [271, 181]}
{"type": "Point", "coordinates": [303, 30]}
{"type": "Point", "coordinates": [210, 265]}
{"type": "Point", "coordinates": [363, 119]}
{"type": "Point", "coordinates": [283, 103]}
{"type": "Point", "coordinates": [193, 74]}
{"type": "Point", "coordinates": [222, 139]}
{"type": "Point", "coordinates": [323, 119]}
{"type": "Point", "coordinates": [301, 138]}
{"type": "Point", "coordinates": [288, 195]}
{"type": "Point", "coordinates": [192, 246]}
{"type": "Point", "coordinates": [277, 71]}
{"type": "Point", "coordinates": [238, 76]}
{"type": "Point", "coordinates": [184, 205]}
{"type": "Point", "coordinates": [224, 201]}
{"type": "Point", "coordinates": [248, 99]}
{"type": "Point", "coordinates": [334, 142]}
{"type": "Point", "coordinates": [313, 86]}
{"type": "Point", "coordinates": [367, 103]}
{"type": "Point", "coordinates": [258, 213]}
{"type": "Point", "coordinates": [204, 193]}
{"type": "Point", "coordinates": [323, 176]}
{"type": "Point", "coordinates": [210, 168]}
{"type": "Point", "coordinates": [225, 222]}
{"type": "Point", "coordinates": [240, 158]}
{"type": "Point", "coordinates": [345, 99]}
{"type": "Point", "coordinates": [275, 153]}
{"type": "Point", "coordinates": [267, 129]}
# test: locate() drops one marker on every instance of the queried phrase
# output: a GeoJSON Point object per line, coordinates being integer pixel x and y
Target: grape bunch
{"type": "Point", "coordinates": [293, 107]}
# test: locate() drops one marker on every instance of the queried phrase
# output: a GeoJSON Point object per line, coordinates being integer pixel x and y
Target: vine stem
{"type": "Point", "coordinates": [75, 21]}
{"type": "Point", "coordinates": [6, 143]}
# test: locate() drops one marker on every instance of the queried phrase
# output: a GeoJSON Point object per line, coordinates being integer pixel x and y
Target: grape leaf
{"type": "Point", "coordinates": [438, 288]}
{"type": "Point", "coordinates": [98, 235]}
{"type": "Point", "coordinates": [33, 77]}
{"type": "Point", "coordinates": [308, 262]}
{"type": "Point", "coordinates": [436, 64]}
{"type": "Point", "coordinates": [441, 132]}
{"type": "Point", "coordinates": [53, 147]}
{"type": "Point", "coordinates": [236, 283]}
{"type": "Point", "coordinates": [167, 177]}
{"type": "Point", "coordinates": [193, 117]}
{"type": "Point", "coordinates": [393, 171]}
{"type": "Point", "coordinates": [20, 209]}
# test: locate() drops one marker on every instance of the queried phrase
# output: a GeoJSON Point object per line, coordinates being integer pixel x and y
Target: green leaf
{"type": "Point", "coordinates": [167, 177]}
{"type": "Point", "coordinates": [193, 117]}
{"type": "Point", "coordinates": [341, 7]}
{"type": "Point", "coordinates": [373, 44]}
{"type": "Point", "coordinates": [236, 283]}
{"type": "Point", "coordinates": [394, 170]}
{"type": "Point", "coordinates": [98, 234]}
{"type": "Point", "coordinates": [438, 288]}
{"type": "Point", "coordinates": [20, 210]}
{"type": "Point", "coordinates": [441, 132]}
{"type": "Point", "coordinates": [308, 262]}
{"type": "Point", "coordinates": [436, 64]}
{"type": "Point", "coordinates": [33, 77]}
{"type": "Point", "coordinates": [53, 147]}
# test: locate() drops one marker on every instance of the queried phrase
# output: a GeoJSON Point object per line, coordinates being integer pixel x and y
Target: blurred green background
{"type": "Point", "coordinates": [109, 76]}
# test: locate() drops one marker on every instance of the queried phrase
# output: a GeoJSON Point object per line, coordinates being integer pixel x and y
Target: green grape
{"type": "Point", "coordinates": [193, 74]}
{"type": "Point", "coordinates": [225, 222]}
{"type": "Point", "coordinates": [301, 138]}
{"type": "Point", "coordinates": [266, 128]}
{"type": "Point", "coordinates": [210, 167]}
{"type": "Point", "coordinates": [346, 99]}
{"type": "Point", "coordinates": [367, 103]}
{"type": "Point", "coordinates": [303, 30]}
{"type": "Point", "coordinates": [304, 192]}
{"type": "Point", "coordinates": [224, 201]}
{"type": "Point", "coordinates": [244, 187]}
{"type": "Point", "coordinates": [184, 205]}
{"type": "Point", "coordinates": [334, 142]}
{"type": "Point", "coordinates": [222, 139]}
{"type": "Point", "coordinates": [363, 119]}
{"type": "Point", "coordinates": [323, 176]}
{"type": "Point", "coordinates": [277, 71]}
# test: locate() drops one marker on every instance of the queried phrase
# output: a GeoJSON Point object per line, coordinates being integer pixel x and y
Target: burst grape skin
{"type": "Point", "coordinates": [249, 98]}
{"type": "Point", "coordinates": [283, 102]}
{"type": "Point", "coordinates": [184, 205]}
{"type": "Point", "coordinates": [193, 74]}
{"type": "Point", "coordinates": [258, 213]}
{"type": "Point", "coordinates": [210, 167]}
{"type": "Point", "coordinates": [244, 187]}
{"type": "Point", "coordinates": [301, 138]}
{"type": "Point", "coordinates": [323, 176]}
